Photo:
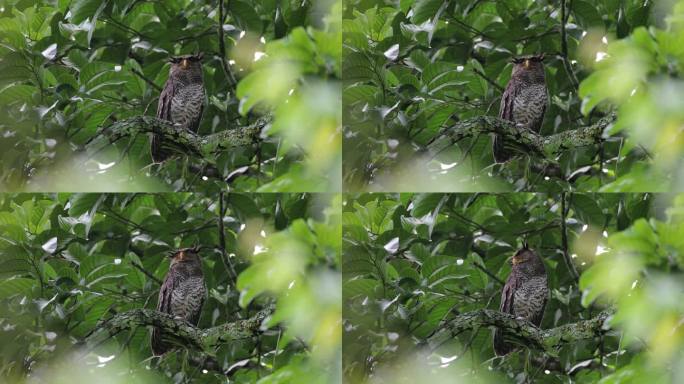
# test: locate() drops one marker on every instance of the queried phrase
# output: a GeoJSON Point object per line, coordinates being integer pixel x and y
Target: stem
{"type": "Point", "coordinates": [564, 240]}
{"type": "Point", "coordinates": [222, 243]}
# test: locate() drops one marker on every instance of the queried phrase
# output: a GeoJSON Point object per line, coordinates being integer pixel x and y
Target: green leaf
{"type": "Point", "coordinates": [83, 9]}
{"type": "Point", "coordinates": [360, 93]}
{"type": "Point", "coordinates": [586, 14]}
{"type": "Point", "coordinates": [17, 92]}
{"type": "Point", "coordinates": [425, 9]}
{"type": "Point", "coordinates": [82, 203]}
{"type": "Point", "coordinates": [425, 203]}
{"type": "Point", "coordinates": [16, 286]}
{"type": "Point", "coordinates": [246, 16]}
{"type": "Point", "coordinates": [361, 287]}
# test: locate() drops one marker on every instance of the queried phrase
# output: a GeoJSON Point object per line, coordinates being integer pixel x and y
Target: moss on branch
{"type": "Point", "coordinates": [521, 331]}
{"type": "Point", "coordinates": [526, 140]}
{"type": "Point", "coordinates": [179, 331]}
{"type": "Point", "coordinates": [179, 140]}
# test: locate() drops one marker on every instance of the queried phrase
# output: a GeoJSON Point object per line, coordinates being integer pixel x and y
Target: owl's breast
{"type": "Point", "coordinates": [187, 297]}
{"type": "Point", "coordinates": [530, 297]}
{"type": "Point", "coordinates": [186, 105]}
{"type": "Point", "coordinates": [529, 106]}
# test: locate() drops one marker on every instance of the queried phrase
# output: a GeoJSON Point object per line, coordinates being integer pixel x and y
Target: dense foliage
{"type": "Point", "coordinates": [413, 69]}
{"type": "Point", "coordinates": [414, 262]}
{"type": "Point", "coordinates": [70, 69]}
{"type": "Point", "coordinates": [70, 261]}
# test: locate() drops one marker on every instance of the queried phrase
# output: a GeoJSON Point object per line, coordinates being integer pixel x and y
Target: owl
{"type": "Point", "coordinates": [181, 101]}
{"type": "Point", "coordinates": [524, 100]}
{"type": "Point", "coordinates": [524, 294]}
{"type": "Point", "coordinates": [182, 293]}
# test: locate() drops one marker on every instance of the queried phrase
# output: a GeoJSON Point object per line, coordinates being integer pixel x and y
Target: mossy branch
{"type": "Point", "coordinates": [524, 139]}
{"type": "Point", "coordinates": [179, 140]}
{"type": "Point", "coordinates": [179, 331]}
{"type": "Point", "coordinates": [523, 332]}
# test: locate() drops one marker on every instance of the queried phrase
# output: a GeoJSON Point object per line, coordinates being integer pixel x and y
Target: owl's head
{"type": "Point", "coordinates": [529, 66]}
{"type": "Point", "coordinates": [528, 260]}
{"type": "Point", "coordinates": [186, 255]}
{"type": "Point", "coordinates": [186, 65]}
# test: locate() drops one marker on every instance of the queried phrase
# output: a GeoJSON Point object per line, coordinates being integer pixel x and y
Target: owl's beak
{"type": "Point", "coordinates": [513, 260]}
{"type": "Point", "coordinates": [527, 63]}
{"type": "Point", "coordinates": [185, 63]}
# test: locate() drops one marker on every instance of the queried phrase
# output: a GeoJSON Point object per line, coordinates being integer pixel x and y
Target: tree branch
{"type": "Point", "coordinates": [489, 80]}
{"type": "Point", "coordinates": [525, 139]}
{"type": "Point", "coordinates": [564, 47]}
{"type": "Point", "coordinates": [522, 331]}
{"type": "Point", "coordinates": [179, 331]}
{"type": "Point", "coordinates": [232, 276]}
{"type": "Point", "coordinates": [179, 140]}
{"type": "Point", "coordinates": [146, 79]}
{"type": "Point", "coordinates": [222, 48]}
{"type": "Point", "coordinates": [146, 272]}
{"type": "Point", "coordinates": [564, 240]}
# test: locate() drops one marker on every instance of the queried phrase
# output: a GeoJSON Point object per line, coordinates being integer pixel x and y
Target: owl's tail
{"type": "Point", "coordinates": [501, 348]}
{"type": "Point", "coordinates": [158, 153]}
{"type": "Point", "coordinates": [500, 153]}
{"type": "Point", "coordinates": [157, 344]}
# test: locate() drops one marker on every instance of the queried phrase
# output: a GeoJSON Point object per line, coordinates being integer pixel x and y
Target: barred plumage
{"type": "Point", "coordinates": [182, 294]}
{"type": "Point", "coordinates": [524, 295]}
{"type": "Point", "coordinates": [181, 101]}
{"type": "Point", "coordinates": [524, 100]}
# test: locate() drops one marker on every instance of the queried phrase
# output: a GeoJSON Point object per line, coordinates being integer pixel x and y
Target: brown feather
{"type": "Point", "coordinates": [520, 101]}
{"type": "Point", "coordinates": [179, 100]}
{"type": "Point", "coordinates": [184, 282]}
{"type": "Point", "coordinates": [527, 281]}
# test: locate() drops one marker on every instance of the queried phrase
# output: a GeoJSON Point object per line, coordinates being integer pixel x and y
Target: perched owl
{"type": "Point", "coordinates": [182, 99]}
{"type": "Point", "coordinates": [524, 101]}
{"type": "Point", "coordinates": [182, 293]}
{"type": "Point", "coordinates": [524, 294]}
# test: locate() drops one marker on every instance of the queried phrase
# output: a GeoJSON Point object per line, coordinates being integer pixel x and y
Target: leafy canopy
{"type": "Point", "coordinates": [70, 261]}
{"type": "Point", "coordinates": [71, 69]}
{"type": "Point", "coordinates": [414, 69]}
{"type": "Point", "coordinates": [412, 262]}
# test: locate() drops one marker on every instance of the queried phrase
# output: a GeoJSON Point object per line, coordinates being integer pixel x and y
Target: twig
{"type": "Point", "coordinates": [222, 243]}
{"type": "Point", "coordinates": [564, 47]}
{"type": "Point", "coordinates": [222, 48]}
{"type": "Point", "coordinates": [551, 31]}
{"type": "Point", "coordinates": [564, 240]}
{"type": "Point", "coordinates": [481, 253]}
{"type": "Point", "coordinates": [147, 80]}
{"type": "Point", "coordinates": [147, 273]}
{"type": "Point", "coordinates": [490, 81]}
{"type": "Point", "coordinates": [493, 276]}
{"type": "Point", "coordinates": [195, 37]}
